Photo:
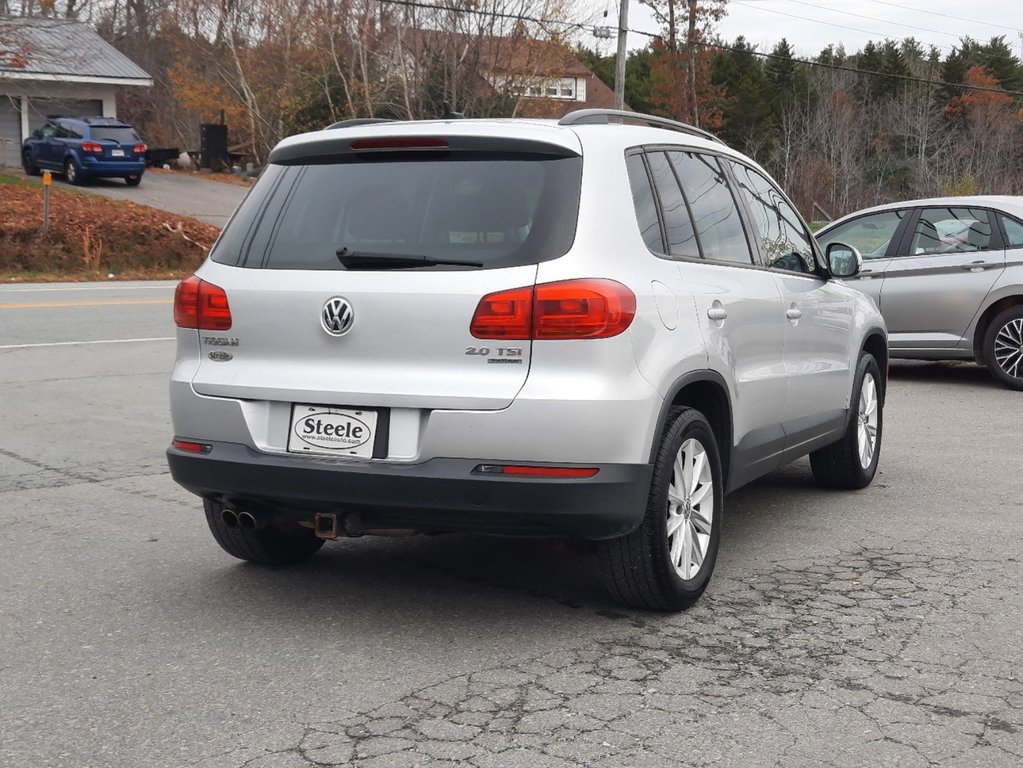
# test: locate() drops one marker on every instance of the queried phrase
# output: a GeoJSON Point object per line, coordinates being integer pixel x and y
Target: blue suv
{"type": "Point", "coordinates": [86, 147]}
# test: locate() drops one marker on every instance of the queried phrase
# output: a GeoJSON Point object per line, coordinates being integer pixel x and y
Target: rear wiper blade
{"type": "Point", "coordinates": [351, 260]}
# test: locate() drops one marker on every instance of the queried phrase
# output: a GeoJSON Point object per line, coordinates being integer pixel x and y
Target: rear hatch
{"type": "Point", "coordinates": [354, 268]}
{"type": "Point", "coordinates": [119, 142]}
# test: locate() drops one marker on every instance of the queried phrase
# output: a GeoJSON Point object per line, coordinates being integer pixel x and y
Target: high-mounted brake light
{"type": "Point", "coordinates": [406, 142]}
{"type": "Point", "coordinates": [591, 308]}
{"type": "Point", "coordinates": [139, 149]}
{"type": "Point", "coordinates": [201, 305]}
{"type": "Point", "coordinates": [92, 147]}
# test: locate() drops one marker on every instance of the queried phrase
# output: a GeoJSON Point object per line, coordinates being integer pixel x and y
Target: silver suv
{"type": "Point", "coordinates": [585, 328]}
{"type": "Point", "coordinates": [947, 274]}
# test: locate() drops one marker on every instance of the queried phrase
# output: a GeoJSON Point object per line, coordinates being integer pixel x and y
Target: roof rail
{"type": "Point", "coordinates": [358, 121]}
{"type": "Point", "coordinates": [603, 116]}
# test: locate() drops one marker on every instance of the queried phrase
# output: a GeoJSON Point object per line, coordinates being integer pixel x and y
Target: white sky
{"type": "Point", "coordinates": [811, 25]}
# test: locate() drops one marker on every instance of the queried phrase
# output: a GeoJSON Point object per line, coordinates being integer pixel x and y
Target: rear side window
{"type": "Point", "coordinates": [718, 224]}
{"type": "Point", "coordinates": [951, 230]}
{"type": "Point", "coordinates": [108, 133]}
{"type": "Point", "coordinates": [498, 211]}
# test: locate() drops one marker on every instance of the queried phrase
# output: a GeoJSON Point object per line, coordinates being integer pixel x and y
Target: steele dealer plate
{"type": "Point", "coordinates": [328, 431]}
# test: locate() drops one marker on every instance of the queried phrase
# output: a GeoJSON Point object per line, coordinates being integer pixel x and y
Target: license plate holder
{"type": "Point", "coordinates": [117, 153]}
{"type": "Point", "coordinates": [346, 433]}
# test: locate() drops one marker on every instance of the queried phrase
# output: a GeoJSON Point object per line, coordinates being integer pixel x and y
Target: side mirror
{"type": "Point", "coordinates": [843, 260]}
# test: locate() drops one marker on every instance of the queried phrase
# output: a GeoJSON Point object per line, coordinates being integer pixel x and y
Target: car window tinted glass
{"type": "Point", "coordinates": [62, 132]}
{"type": "Point", "coordinates": [1013, 231]}
{"type": "Point", "coordinates": [678, 225]}
{"type": "Point", "coordinates": [501, 212]}
{"type": "Point", "coordinates": [643, 202]}
{"type": "Point", "coordinates": [233, 241]}
{"type": "Point", "coordinates": [718, 225]}
{"type": "Point", "coordinates": [121, 135]}
{"type": "Point", "coordinates": [787, 243]}
{"type": "Point", "coordinates": [951, 230]}
{"type": "Point", "coordinates": [870, 234]}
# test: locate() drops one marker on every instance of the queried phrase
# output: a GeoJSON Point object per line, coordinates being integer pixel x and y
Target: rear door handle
{"type": "Point", "coordinates": [975, 266]}
{"type": "Point", "coordinates": [793, 313]}
{"type": "Point", "coordinates": [717, 313]}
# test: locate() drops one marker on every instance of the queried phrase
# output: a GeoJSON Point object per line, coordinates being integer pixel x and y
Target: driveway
{"type": "Point", "coordinates": [187, 195]}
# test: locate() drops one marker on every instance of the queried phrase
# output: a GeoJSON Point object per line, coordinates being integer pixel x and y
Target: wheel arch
{"type": "Point", "coordinates": [876, 345]}
{"type": "Point", "coordinates": [707, 392]}
{"type": "Point", "coordinates": [986, 317]}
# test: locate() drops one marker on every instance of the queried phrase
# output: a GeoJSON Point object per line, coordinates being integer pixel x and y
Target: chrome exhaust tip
{"type": "Point", "coordinates": [248, 520]}
{"type": "Point", "coordinates": [230, 517]}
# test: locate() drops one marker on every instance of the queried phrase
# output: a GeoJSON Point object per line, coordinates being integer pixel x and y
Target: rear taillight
{"type": "Point", "coordinates": [140, 149]}
{"type": "Point", "coordinates": [202, 305]}
{"type": "Point", "coordinates": [92, 147]}
{"type": "Point", "coordinates": [571, 309]}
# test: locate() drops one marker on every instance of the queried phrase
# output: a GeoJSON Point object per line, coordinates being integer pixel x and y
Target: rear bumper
{"type": "Point", "coordinates": [94, 167]}
{"type": "Point", "coordinates": [433, 496]}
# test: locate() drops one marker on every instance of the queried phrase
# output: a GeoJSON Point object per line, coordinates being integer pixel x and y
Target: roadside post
{"type": "Point", "coordinates": [47, 181]}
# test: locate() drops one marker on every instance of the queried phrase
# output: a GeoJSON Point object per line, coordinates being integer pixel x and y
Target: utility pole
{"type": "Point", "coordinates": [623, 31]}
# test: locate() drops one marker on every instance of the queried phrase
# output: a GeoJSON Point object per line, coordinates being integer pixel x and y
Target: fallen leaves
{"type": "Point", "coordinates": [90, 236]}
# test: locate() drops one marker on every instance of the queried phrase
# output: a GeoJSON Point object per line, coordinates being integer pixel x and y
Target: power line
{"type": "Point", "coordinates": [716, 46]}
{"type": "Point", "coordinates": [818, 21]}
{"type": "Point", "coordinates": [869, 72]}
{"type": "Point", "coordinates": [874, 18]}
{"type": "Point", "coordinates": [946, 15]}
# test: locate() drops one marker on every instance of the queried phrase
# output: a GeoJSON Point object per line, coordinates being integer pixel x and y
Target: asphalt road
{"type": "Point", "coordinates": [878, 628]}
{"type": "Point", "coordinates": [184, 194]}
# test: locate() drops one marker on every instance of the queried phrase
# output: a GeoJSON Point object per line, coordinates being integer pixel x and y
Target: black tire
{"type": "Point", "coordinates": [640, 570]}
{"type": "Point", "coordinates": [839, 465]}
{"type": "Point", "coordinates": [31, 169]}
{"type": "Point", "coordinates": [133, 181]}
{"type": "Point", "coordinates": [1006, 362]}
{"type": "Point", "coordinates": [271, 545]}
{"type": "Point", "coordinates": [71, 172]}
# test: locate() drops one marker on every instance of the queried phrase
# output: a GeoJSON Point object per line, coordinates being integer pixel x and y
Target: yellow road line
{"type": "Point", "coordinates": [97, 303]}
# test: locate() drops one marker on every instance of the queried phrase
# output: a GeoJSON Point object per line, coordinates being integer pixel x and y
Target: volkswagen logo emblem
{"type": "Point", "coordinates": [337, 316]}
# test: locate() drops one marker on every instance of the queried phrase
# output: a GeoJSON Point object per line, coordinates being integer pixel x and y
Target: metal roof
{"type": "Point", "coordinates": [60, 49]}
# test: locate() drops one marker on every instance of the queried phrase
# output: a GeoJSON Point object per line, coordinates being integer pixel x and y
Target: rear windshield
{"type": "Point", "coordinates": [495, 210]}
{"type": "Point", "coordinates": [122, 135]}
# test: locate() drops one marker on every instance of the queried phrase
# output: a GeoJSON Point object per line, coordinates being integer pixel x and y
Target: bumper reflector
{"type": "Point", "coordinates": [525, 470]}
{"type": "Point", "coordinates": [191, 446]}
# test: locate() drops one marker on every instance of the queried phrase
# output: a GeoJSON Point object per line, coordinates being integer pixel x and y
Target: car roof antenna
{"type": "Point", "coordinates": [450, 114]}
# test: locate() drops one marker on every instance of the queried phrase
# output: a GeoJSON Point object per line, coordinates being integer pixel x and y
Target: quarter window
{"type": "Point", "coordinates": [951, 230]}
{"type": "Point", "coordinates": [678, 225]}
{"type": "Point", "coordinates": [643, 202]}
{"type": "Point", "coordinates": [786, 241]}
{"type": "Point", "coordinates": [870, 234]}
{"type": "Point", "coordinates": [1013, 231]}
{"type": "Point", "coordinates": [718, 226]}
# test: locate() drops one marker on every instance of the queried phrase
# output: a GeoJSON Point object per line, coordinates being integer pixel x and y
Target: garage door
{"type": "Point", "coordinates": [40, 109]}
{"type": "Point", "coordinates": [10, 130]}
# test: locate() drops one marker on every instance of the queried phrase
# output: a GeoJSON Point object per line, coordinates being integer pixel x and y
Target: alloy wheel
{"type": "Point", "coordinates": [866, 433]}
{"type": "Point", "coordinates": [1009, 348]}
{"type": "Point", "coordinates": [690, 509]}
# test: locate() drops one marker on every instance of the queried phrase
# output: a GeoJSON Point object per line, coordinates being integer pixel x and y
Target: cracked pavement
{"type": "Point", "coordinates": [838, 652]}
{"type": "Point", "coordinates": [878, 628]}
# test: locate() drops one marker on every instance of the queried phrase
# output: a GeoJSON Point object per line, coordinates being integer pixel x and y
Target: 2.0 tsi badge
{"type": "Point", "coordinates": [337, 316]}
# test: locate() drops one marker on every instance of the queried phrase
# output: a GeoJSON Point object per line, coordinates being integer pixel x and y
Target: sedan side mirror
{"type": "Point", "coordinates": [844, 260]}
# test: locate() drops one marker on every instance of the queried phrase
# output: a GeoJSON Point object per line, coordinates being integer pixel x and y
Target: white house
{"type": "Point", "coordinates": [56, 67]}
